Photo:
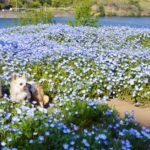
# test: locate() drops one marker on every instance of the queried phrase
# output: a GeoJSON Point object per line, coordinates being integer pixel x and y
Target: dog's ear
{"type": "Point", "coordinates": [14, 76]}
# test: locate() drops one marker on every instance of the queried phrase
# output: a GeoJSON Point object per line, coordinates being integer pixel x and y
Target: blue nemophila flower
{"type": "Point", "coordinates": [126, 145]}
{"type": "Point", "coordinates": [15, 119]}
{"type": "Point", "coordinates": [100, 137]}
{"type": "Point", "coordinates": [135, 132]}
{"type": "Point", "coordinates": [5, 148]}
{"type": "Point", "coordinates": [31, 141]}
{"type": "Point", "coordinates": [91, 104]}
{"type": "Point", "coordinates": [41, 139]}
{"type": "Point", "coordinates": [72, 142]}
{"type": "Point", "coordinates": [85, 142]}
{"type": "Point", "coordinates": [14, 149]}
{"type": "Point", "coordinates": [9, 139]}
{"type": "Point", "coordinates": [109, 112]}
{"type": "Point", "coordinates": [8, 115]}
{"type": "Point", "coordinates": [65, 146]}
{"type": "Point", "coordinates": [146, 134]}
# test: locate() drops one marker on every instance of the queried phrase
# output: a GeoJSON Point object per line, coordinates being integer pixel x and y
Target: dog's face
{"type": "Point", "coordinates": [19, 83]}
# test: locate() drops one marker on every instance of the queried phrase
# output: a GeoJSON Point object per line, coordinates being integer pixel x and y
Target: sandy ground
{"type": "Point", "coordinates": [142, 114]}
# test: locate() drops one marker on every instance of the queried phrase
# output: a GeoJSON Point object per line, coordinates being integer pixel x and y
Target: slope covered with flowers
{"type": "Point", "coordinates": [79, 68]}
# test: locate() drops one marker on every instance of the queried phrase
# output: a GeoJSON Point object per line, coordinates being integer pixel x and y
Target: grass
{"type": "Point", "coordinates": [141, 39]}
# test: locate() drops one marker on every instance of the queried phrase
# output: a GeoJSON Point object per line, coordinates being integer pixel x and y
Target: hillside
{"type": "Point", "coordinates": [99, 7]}
{"type": "Point", "coordinates": [126, 7]}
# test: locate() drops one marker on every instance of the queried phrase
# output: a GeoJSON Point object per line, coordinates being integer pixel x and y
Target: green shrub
{"type": "Point", "coordinates": [56, 3]}
{"type": "Point", "coordinates": [35, 17]}
{"type": "Point", "coordinates": [35, 4]}
{"type": "Point", "coordinates": [102, 10]}
{"type": "Point", "coordinates": [83, 15]}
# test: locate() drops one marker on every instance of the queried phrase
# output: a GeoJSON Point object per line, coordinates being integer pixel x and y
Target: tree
{"type": "Point", "coordinates": [83, 15]}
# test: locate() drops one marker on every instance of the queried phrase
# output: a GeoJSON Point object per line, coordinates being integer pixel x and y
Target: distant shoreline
{"type": "Point", "coordinates": [14, 15]}
{"type": "Point", "coordinates": [57, 13]}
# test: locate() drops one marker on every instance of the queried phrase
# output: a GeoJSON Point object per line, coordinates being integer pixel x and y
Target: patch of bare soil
{"type": "Point", "coordinates": [142, 114]}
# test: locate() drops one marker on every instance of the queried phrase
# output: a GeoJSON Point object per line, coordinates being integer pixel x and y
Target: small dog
{"type": "Point", "coordinates": [21, 89]}
{"type": "Point", "coordinates": [18, 88]}
{"type": "Point", "coordinates": [37, 93]}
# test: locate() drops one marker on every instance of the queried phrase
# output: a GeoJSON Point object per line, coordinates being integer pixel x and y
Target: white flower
{"type": "Point", "coordinates": [47, 133]}
{"type": "Point", "coordinates": [9, 139]}
{"type": "Point", "coordinates": [3, 143]}
{"type": "Point", "coordinates": [18, 110]}
{"type": "Point", "coordinates": [132, 82]}
{"type": "Point", "coordinates": [1, 110]}
{"type": "Point", "coordinates": [15, 119]}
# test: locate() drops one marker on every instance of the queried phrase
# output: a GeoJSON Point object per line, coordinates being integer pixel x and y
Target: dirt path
{"type": "Point", "coordinates": [142, 114]}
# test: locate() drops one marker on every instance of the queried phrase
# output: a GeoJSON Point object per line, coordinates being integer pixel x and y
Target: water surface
{"type": "Point", "coordinates": [138, 22]}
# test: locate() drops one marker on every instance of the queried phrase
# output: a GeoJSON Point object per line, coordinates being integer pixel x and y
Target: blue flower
{"type": "Point", "coordinates": [85, 142]}
{"type": "Point", "coordinates": [65, 146]}
{"type": "Point", "coordinates": [100, 136]}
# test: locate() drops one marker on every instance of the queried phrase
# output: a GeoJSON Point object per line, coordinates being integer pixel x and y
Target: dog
{"type": "Point", "coordinates": [37, 94]}
{"type": "Point", "coordinates": [21, 89]}
{"type": "Point", "coordinates": [3, 90]}
{"type": "Point", "coordinates": [18, 88]}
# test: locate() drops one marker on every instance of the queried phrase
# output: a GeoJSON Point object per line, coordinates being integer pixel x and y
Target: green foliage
{"type": "Point", "coordinates": [102, 10]}
{"type": "Point", "coordinates": [35, 17]}
{"type": "Point", "coordinates": [18, 3]}
{"type": "Point", "coordinates": [34, 4]}
{"type": "Point", "coordinates": [137, 4]}
{"type": "Point", "coordinates": [84, 116]}
{"type": "Point", "coordinates": [56, 3]}
{"type": "Point", "coordinates": [27, 127]}
{"type": "Point", "coordinates": [83, 15]}
{"type": "Point", "coordinates": [26, 3]}
{"type": "Point", "coordinates": [133, 2]}
{"type": "Point", "coordinates": [141, 39]}
{"type": "Point", "coordinates": [64, 3]}
{"type": "Point", "coordinates": [146, 42]}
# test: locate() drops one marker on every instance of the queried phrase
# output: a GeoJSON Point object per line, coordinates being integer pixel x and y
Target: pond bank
{"type": "Point", "coordinates": [61, 12]}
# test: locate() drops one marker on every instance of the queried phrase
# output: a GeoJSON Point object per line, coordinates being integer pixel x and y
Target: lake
{"type": "Point", "coordinates": [138, 22]}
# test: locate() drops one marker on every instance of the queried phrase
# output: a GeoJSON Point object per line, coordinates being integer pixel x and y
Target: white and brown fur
{"type": "Point", "coordinates": [21, 89]}
{"type": "Point", "coordinates": [37, 94]}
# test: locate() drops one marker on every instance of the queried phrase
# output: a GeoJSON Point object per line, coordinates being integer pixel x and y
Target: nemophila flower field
{"type": "Point", "coordinates": [80, 69]}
